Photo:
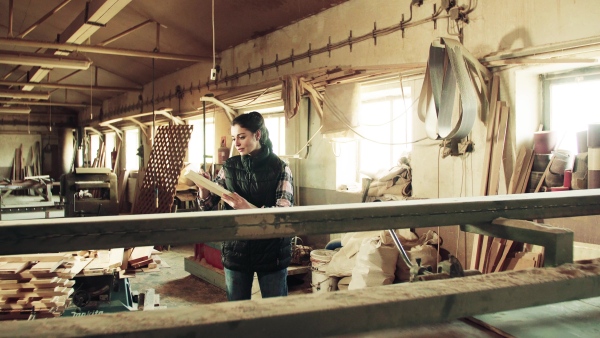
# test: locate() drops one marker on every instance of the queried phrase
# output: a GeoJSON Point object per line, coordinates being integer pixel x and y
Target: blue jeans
{"type": "Point", "coordinates": [239, 284]}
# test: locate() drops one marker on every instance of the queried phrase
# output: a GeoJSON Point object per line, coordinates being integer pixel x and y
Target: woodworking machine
{"type": "Point", "coordinates": [90, 192]}
{"type": "Point", "coordinates": [98, 294]}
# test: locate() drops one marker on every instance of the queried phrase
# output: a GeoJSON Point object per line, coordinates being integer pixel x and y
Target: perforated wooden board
{"type": "Point", "coordinates": [163, 170]}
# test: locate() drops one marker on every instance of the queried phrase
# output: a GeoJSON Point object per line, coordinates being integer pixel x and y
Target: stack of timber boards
{"type": "Point", "coordinates": [127, 262]}
{"type": "Point", "coordinates": [141, 259]}
{"type": "Point", "coordinates": [497, 124]}
{"type": "Point", "coordinates": [40, 283]}
{"type": "Point", "coordinates": [43, 283]}
{"type": "Point", "coordinates": [494, 254]}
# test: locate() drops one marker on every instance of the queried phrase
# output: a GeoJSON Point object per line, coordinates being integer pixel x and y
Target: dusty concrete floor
{"type": "Point", "coordinates": [178, 288]}
{"type": "Point", "coordinates": [175, 286]}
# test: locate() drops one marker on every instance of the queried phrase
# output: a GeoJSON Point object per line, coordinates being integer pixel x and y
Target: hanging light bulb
{"type": "Point", "coordinates": [50, 122]}
{"type": "Point", "coordinates": [91, 94]}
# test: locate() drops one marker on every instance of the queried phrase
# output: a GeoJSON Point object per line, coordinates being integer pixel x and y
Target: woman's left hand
{"type": "Point", "coordinates": [237, 202]}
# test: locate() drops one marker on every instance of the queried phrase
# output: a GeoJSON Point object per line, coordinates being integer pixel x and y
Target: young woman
{"type": "Point", "coordinates": [258, 179]}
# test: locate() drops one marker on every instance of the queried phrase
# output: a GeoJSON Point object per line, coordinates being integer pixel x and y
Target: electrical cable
{"type": "Point", "coordinates": [333, 150]}
{"type": "Point", "coordinates": [50, 118]}
{"type": "Point", "coordinates": [213, 33]}
{"type": "Point", "coordinates": [254, 99]}
{"type": "Point", "coordinates": [341, 118]}
{"type": "Point", "coordinates": [91, 94]}
{"type": "Point", "coordinates": [469, 8]}
{"type": "Point", "coordinates": [308, 142]}
{"type": "Point", "coordinates": [395, 118]}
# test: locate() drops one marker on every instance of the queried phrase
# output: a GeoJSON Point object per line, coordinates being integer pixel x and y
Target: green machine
{"type": "Point", "coordinates": [100, 294]}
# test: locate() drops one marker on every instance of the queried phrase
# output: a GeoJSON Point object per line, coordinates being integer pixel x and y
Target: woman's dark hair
{"type": "Point", "coordinates": [254, 121]}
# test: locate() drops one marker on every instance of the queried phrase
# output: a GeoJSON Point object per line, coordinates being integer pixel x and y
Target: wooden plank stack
{"type": "Point", "coordinates": [43, 283]}
{"type": "Point", "coordinates": [497, 122]}
{"type": "Point", "coordinates": [495, 254]}
{"type": "Point", "coordinates": [36, 285]}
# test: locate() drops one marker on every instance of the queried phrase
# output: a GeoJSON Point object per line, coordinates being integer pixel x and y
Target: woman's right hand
{"type": "Point", "coordinates": [203, 192]}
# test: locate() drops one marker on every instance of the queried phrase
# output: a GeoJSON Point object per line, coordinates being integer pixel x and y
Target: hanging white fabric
{"type": "Point", "coordinates": [450, 65]}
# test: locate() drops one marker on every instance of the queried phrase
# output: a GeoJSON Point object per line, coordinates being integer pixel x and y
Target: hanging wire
{"type": "Point", "coordinates": [50, 121]}
{"type": "Point", "coordinates": [308, 142]}
{"type": "Point", "coordinates": [397, 117]}
{"type": "Point", "coordinates": [254, 99]}
{"type": "Point", "coordinates": [213, 33]}
{"type": "Point", "coordinates": [91, 94]}
{"type": "Point", "coordinates": [336, 112]}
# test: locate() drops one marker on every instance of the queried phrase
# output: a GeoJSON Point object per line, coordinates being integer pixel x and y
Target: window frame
{"type": "Point", "coordinates": [406, 93]}
{"type": "Point", "coordinates": [549, 79]}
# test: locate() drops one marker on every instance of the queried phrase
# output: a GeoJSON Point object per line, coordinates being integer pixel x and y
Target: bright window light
{"type": "Point", "coordinates": [110, 147]}
{"type": "Point", "coordinates": [94, 147]}
{"type": "Point", "coordinates": [196, 145]}
{"type": "Point", "coordinates": [572, 108]}
{"type": "Point", "coordinates": [275, 123]}
{"type": "Point", "coordinates": [384, 126]}
{"type": "Point", "coordinates": [132, 143]}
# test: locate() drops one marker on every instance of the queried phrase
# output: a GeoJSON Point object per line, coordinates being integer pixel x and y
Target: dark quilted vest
{"type": "Point", "coordinates": [255, 178]}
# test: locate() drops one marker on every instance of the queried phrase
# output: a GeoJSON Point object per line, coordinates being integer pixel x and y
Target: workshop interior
{"type": "Point", "coordinates": [445, 157]}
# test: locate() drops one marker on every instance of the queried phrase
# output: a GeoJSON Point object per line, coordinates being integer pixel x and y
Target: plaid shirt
{"type": "Point", "coordinates": [284, 194]}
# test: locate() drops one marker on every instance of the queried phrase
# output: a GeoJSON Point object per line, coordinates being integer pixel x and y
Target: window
{"type": "Point", "coordinates": [275, 123]}
{"type": "Point", "coordinates": [132, 143]}
{"type": "Point", "coordinates": [94, 147]}
{"type": "Point", "coordinates": [384, 130]}
{"type": "Point", "coordinates": [569, 101]}
{"type": "Point", "coordinates": [196, 145]}
{"type": "Point", "coordinates": [110, 146]}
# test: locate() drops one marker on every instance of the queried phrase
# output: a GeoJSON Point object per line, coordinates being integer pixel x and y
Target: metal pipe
{"type": "Point", "coordinates": [10, 17]}
{"type": "Point", "coordinates": [70, 86]}
{"type": "Point", "coordinates": [400, 248]}
{"type": "Point", "coordinates": [42, 19]}
{"type": "Point", "coordinates": [38, 103]}
{"type": "Point", "coordinates": [102, 50]}
{"type": "Point", "coordinates": [124, 33]}
{"type": "Point", "coordinates": [157, 36]}
{"type": "Point", "coordinates": [204, 135]}
{"type": "Point", "coordinates": [543, 49]}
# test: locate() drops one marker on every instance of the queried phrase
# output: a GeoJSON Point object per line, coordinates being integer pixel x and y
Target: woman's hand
{"type": "Point", "coordinates": [237, 202]}
{"type": "Point", "coordinates": [203, 192]}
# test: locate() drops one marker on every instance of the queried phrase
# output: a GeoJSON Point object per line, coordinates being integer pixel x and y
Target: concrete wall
{"type": "Point", "coordinates": [493, 26]}
{"type": "Point", "coordinates": [10, 142]}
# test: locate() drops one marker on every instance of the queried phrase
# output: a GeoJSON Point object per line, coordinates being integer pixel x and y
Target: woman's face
{"type": "Point", "coordinates": [246, 142]}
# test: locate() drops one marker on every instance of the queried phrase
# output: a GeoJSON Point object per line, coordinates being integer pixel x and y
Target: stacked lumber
{"type": "Point", "coordinates": [125, 261]}
{"type": "Point", "coordinates": [36, 285]}
{"type": "Point", "coordinates": [100, 157]}
{"type": "Point", "coordinates": [497, 123]}
{"type": "Point", "coordinates": [502, 254]}
{"type": "Point", "coordinates": [40, 285]}
{"type": "Point", "coordinates": [494, 254]}
{"type": "Point", "coordinates": [141, 259]}
{"type": "Point", "coordinates": [522, 172]}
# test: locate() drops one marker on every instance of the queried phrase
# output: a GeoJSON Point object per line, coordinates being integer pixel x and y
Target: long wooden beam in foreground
{"type": "Point", "coordinates": [337, 313]}
{"type": "Point", "coordinates": [52, 235]}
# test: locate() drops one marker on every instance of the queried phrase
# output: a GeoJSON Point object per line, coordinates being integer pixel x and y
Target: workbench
{"type": "Point", "coordinates": [389, 307]}
{"type": "Point", "coordinates": [42, 185]}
